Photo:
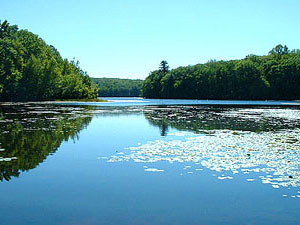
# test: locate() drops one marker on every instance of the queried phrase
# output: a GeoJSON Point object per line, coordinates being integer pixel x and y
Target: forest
{"type": "Point", "coordinates": [31, 70]}
{"type": "Point", "coordinates": [118, 87]}
{"type": "Point", "coordinates": [275, 76]}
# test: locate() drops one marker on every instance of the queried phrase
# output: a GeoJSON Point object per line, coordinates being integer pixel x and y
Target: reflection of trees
{"type": "Point", "coordinates": [200, 118]}
{"type": "Point", "coordinates": [31, 135]}
{"type": "Point", "coordinates": [162, 123]}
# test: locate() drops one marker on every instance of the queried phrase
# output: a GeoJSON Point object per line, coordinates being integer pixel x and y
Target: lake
{"type": "Point", "coordinates": [135, 161]}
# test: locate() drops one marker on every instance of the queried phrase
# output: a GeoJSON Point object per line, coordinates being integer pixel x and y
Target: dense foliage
{"type": "Point", "coordinates": [32, 70]}
{"type": "Point", "coordinates": [118, 87]}
{"type": "Point", "coordinates": [274, 76]}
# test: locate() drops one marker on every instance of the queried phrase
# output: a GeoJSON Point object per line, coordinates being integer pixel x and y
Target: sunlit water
{"type": "Point", "coordinates": [136, 161]}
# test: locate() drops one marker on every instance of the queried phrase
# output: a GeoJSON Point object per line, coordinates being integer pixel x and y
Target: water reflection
{"type": "Point", "coordinates": [29, 133]}
{"type": "Point", "coordinates": [202, 118]}
{"type": "Point", "coordinates": [225, 140]}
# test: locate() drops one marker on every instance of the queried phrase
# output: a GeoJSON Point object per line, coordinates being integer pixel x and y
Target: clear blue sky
{"type": "Point", "coordinates": [129, 38]}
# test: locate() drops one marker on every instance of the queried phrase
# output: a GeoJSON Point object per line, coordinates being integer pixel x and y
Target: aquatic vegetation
{"type": "Point", "coordinates": [7, 159]}
{"type": "Point", "coordinates": [264, 141]}
{"type": "Point", "coordinates": [153, 170]}
{"type": "Point", "coordinates": [275, 155]}
{"type": "Point", "coordinates": [199, 118]}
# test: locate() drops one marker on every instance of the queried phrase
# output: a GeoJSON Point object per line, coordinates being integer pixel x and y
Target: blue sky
{"type": "Point", "coordinates": [129, 38]}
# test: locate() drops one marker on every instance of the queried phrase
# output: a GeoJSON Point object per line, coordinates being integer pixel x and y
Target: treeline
{"type": "Point", "coordinates": [115, 87]}
{"type": "Point", "coordinates": [274, 76]}
{"type": "Point", "coordinates": [32, 70]}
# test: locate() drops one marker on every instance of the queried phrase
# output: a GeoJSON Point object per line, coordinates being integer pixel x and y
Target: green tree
{"type": "Point", "coordinates": [164, 67]}
{"type": "Point", "coordinates": [274, 76]}
{"type": "Point", "coordinates": [32, 70]}
{"type": "Point", "coordinates": [118, 87]}
{"type": "Point", "coordinates": [279, 50]}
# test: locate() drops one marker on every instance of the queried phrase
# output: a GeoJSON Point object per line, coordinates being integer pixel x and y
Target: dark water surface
{"type": "Point", "coordinates": [135, 161]}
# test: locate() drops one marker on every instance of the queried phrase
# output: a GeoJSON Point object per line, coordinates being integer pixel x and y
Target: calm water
{"type": "Point", "coordinates": [135, 161]}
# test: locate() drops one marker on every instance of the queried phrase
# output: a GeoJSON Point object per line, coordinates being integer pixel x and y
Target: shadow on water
{"type": "Point", "coordinates": [30, 133]}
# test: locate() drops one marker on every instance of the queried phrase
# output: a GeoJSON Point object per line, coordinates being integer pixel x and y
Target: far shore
{"type": "Point", "coordinates": [103, 101]}
{"type": "Point", "coordinates": [55, 101]}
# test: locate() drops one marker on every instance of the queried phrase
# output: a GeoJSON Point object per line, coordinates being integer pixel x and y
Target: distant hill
{"type": "Point", "coordinates": [116, 87]}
